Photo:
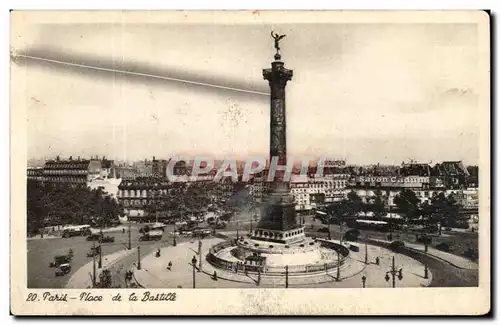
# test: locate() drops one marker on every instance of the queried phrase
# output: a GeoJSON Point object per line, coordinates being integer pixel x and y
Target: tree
{"type": "Point", "coordinates": [105, 280]}
{"type": "Point", "coordinates": [445, 209]}
{"type": "Point", "coordinates": [408, 203]}
{"type": "Point", "coordinates": [376, 205]}
{"type": "Point", "coordinates": [49, 205]}
{"type": "Point", "coordinates": [354, 204]}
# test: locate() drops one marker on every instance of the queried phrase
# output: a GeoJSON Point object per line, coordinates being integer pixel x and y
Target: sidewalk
{"type": "Point", "coordinates": [455, 260]}
{"type": "Point", "coordinates": [154, 272]}
{"type": "Point", "coordinates": [82, 278]}
{"type": "Point", "coordinates": [38, 237]}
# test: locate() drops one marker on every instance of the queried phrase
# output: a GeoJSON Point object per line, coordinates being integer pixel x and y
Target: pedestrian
{"type": "Point", "coordinates": [123, 230]}
{"type": "Point", "coordinates": [169, 266]}
{"type": "Point", "coordinates": [377, 261]}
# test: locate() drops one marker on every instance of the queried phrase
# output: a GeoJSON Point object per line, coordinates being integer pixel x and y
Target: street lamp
{"type": "Point", "coordinates": [93, 264]}
{"type": "Point", "coordinates": [193, 262]}
{"type": "Point", "coordinates": [393, 272]}
{"type": "Point", "coordinates": [175, 235]}
{"type": "Point", "coordinates": [286, 276]}
{"type": "Point", "coordinates": [100, 256]}
{"type": "Point", "coordinates": [329, 231]}
{"type": "Point", "coordinates": [338, 265]}
{"type": "Point", "coordinates": [129, 234]}
{"type": "Point", "coordinates": [366, 252]}
{"type": "Point", "coordinates": [138, 258]}
{"type": "Point", "coordinates": [390, 220]}
{"type": "Point", "coordinates": [199, 254]}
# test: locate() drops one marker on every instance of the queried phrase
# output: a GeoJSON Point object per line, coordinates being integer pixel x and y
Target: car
{"type": "Point", "coordinates": [59, 260]}
{"type": "Point", "coordinates": [63, 269]}
{"type": "Point", "coordinates": [108, 239]}
{"type": "Point", "coordinates": [424, 239]}
{"type": "Point", "coordinates": [396, 245]}
{"type": "Point", "coordinates": [187, 233]}
{"type": "Point", "coordinates": [352, 235]}
{"type": "Point", "coordinates": [175, 233]}
{"type": "Point", "coordinates": [93, 237]}
{"type": "Point", "coordinates": [220, 225]}
{"type": "Point", "coordinates": [324, 229]}
{"type": "Point", "coordinates": [147, 237]}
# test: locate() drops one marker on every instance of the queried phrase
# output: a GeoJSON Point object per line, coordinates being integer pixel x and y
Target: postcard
{"type": "Point", "coordinates": [250, 163]}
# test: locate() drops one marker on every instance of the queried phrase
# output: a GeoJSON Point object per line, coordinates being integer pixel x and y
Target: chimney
{"type": "Point", "coordinates": [70, 157]}
{"type": "Point", "coordinates": [57, 158]}
{"type": "Point", "coordinates": [153, 158]}
{"type": "Point", "coordinates": [78, 158]}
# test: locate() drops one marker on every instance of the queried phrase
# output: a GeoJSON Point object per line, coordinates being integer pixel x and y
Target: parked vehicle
{"type": "Point", "coordinates": [63, 269]}
{"type": "Point", "coordinates": [59, 260]}
{"type": "Point", "coordinates": [352, 235]}
{"type": "Point", "coordinates": [151, 235]}
{"type": "Point", "coordinates": [201, 232]}
{"type": "Point", "coordinates": [220, 225]}
{"type": "Point", "coordinates": [396, 245]}
{"type": "Point", "coordinates": [71, 231]}
{"type": "Point", "coordinates": [93, 237]}
{"type": "Point", "coordinates": [107, 239]}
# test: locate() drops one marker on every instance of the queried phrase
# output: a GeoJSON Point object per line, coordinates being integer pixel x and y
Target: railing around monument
{"type": "Point", "coordinates": [239, 267]}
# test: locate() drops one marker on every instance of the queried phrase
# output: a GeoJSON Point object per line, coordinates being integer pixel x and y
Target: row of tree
{"type": "Point", "coordinates": [440, 208]}
{"type": "Point", "coordinates": [51, 205]}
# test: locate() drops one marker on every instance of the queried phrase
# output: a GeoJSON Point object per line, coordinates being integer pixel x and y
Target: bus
{"type": "Point", "coordinates": [71, 231]}
{"type": "Point", "coordinates": [371, 225]}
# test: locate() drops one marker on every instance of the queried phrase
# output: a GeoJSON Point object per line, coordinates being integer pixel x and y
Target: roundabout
{"type": "Point", "coordinates": [306, 257]}
{"type": "Point", "coordinates": [155, 273]}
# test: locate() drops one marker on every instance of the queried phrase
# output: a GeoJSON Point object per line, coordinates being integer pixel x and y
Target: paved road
{"type": "Point", "coordinates": [119, 269]}
{"type": "Point", "coordinates": [42, 251]}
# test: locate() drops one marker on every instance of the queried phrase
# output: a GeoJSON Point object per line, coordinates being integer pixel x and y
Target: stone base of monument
{"type": "Point", "coordinates": [306, 257]}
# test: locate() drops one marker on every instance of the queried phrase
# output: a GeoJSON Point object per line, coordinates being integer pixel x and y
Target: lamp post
{"type": "Point", "coordinates": [340, 229]}
{"type": "Point", "coordinates": [193, 262]}
{"type": "Point", "coordinates": [286, 276]}
{"type": "Point", "coordinates": [129, 234]}
{"type": "Point", "coordinates": [329, 231]}
{"type": "Point", "coordinates": [175, 235]}
{"type": "Point", "coordinates": [100, 256]}
{"type": "Point", "coordinates": [138, 257]}
{"type": "Point", "coordinates": [390, 220]}
{"type": "Point", "coordinates": [338, 265]}
{"type": "Point", "coordinates": [93, 263]}
{"type": "Point", "coordinates": [366, 253]}
{"type": "Point", "coordinates": [199, 254]}
{"type": "Point", "coordinates": [426, 271]}
{"type": "Point", "coordinates": [393, 273]}
{"type": "Point", "coordinates": [237, 230]}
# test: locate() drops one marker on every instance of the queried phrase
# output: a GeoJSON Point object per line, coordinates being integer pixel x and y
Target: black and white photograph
{"type": "Point", "coordinates": [251, 150]}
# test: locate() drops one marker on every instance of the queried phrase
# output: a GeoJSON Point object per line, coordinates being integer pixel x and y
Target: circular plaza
{"type": "Point", "coordinates": [216, 263]}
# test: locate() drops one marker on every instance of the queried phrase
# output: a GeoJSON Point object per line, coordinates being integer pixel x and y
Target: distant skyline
{"type": "Point", "coordinates": [366, 93]}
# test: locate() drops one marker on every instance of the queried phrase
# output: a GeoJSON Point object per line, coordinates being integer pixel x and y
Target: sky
{"type": "Point", "coordinates": [367, 93]}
